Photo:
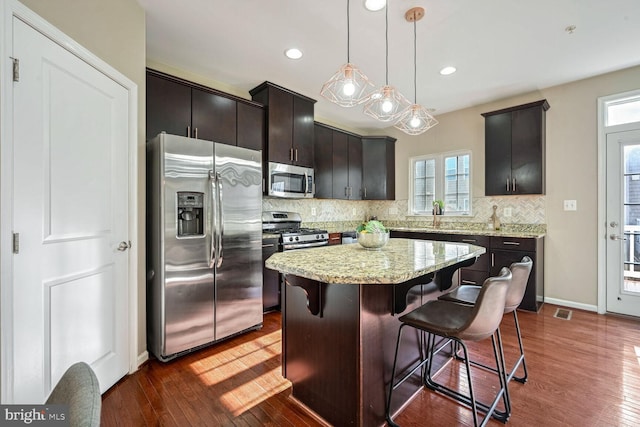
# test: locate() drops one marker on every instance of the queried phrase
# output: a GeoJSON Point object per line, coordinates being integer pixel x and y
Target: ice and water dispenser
{"type": "Point", "coordinates": [190, 214]}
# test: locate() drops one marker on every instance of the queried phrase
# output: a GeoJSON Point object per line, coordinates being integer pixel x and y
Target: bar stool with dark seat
{"type": "Point", "coordinates": [460, 323]}
{"type": "Point", "coordinates": [468, 294]}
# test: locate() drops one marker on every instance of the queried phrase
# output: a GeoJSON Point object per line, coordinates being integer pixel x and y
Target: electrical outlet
{"type": "Point", "coordinates": [313, 211]}
{"type": "Point", "coordinates": [353, 211]}
{"type": "Point", "coordinates": [570, 205]}
{"type": "Point", "coordinates": [507, 212]}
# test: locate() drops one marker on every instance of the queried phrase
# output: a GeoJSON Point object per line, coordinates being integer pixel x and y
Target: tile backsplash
{"type": "Point", "coordinates": [524, 210]}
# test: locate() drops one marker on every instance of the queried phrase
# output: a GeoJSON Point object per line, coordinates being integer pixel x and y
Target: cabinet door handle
{"type": "Point", "coordinates": [513, 185]}
{"type": "Point", "coordinates": [469, 240]}
{"type": "Point", "coordinates": [493, 260]}
{"type": "Point", "coordinates": [365, 192]}
{"type": "Point", "coordinates": [291, 154]}
{"type": "Point", "coordinates": [468, 282]}
{"type": "Point", "coordinates": [296, 154]}
{"type": "Point", "coordinates": [188, 131]}
{"type": "Point", "coordinates": [346, 191]}
{"type": "Point", "coordinates": [507, 184]}
{"type": "Point", "coordinates": [511, 243]}
{"type": "Point", "coordinates": [268, 246]}
{"type": "Point", "coordinates": [195, 133]}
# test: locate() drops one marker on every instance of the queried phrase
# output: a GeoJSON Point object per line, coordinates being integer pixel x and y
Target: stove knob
{"type": "Point", "coordinates": [318, 236]}
{"type": "Point", "coordinates": [297, 238]}
{"type": "Point", "coordinates": [291, 239]}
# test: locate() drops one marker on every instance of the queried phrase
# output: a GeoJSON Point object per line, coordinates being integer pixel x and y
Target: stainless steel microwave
{"type": "Point", "coordinates": [290, 181]}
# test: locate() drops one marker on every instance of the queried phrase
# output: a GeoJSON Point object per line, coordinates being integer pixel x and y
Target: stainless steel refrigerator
{"type": "Point", "coordinates": [204, 243]}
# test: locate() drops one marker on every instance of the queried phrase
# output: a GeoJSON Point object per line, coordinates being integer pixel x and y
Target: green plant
{"type": "Point", "coordinates": [439, 203]}
{"type": "Point", "coordinates": [372, 226]}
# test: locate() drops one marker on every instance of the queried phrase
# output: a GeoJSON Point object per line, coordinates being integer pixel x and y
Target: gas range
{"type": "Point", "coordinates": [292, 236]}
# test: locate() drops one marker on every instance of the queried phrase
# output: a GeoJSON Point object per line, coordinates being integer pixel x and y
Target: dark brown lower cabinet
{"type": "Point", "coordinates": [507, 250]}
{"type": "Point", "coordinates": [270, 278]}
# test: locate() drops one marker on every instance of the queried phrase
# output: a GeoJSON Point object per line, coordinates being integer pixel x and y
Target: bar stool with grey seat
{"type": "Point", "coordinates": [468, 294]}
{"type": "Point", "coordinates": [460, 323]}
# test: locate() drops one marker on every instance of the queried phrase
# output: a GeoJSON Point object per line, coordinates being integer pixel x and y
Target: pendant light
{"type": "Point", "coordinates": [415, 119]}
{"type": "Point", "coordinates": [349, 86]}
{"type": "Point", "coordinates": [386, 103]}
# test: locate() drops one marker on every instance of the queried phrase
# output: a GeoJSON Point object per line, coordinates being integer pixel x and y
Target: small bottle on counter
{"type": "Point", "coordinates": [494, 218]}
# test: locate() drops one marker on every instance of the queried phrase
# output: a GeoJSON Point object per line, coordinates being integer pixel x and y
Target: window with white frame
{"type": "Point", "coordinates": [622, 111]}
{"type": "Point", "coordinates": [446, 177]}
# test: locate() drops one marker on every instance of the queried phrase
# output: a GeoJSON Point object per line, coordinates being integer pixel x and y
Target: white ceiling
{"type": "Point", "coordinates": [500, 47]}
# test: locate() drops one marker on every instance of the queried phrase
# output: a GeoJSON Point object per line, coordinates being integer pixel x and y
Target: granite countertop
{"type": "Point", "coordinates": [476, 232]}
{"type": "Point", "coordinates": [398, 261]}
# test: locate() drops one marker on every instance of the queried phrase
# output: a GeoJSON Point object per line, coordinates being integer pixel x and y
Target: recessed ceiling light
{"type": "Point", "coordinates": [448, 70]}
{"type": "Point", "coordinates": [375, 5]}
{"type": "Point", "coordinates": [293, 53]}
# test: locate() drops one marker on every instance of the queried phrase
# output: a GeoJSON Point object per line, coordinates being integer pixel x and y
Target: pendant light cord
{"type": "Point", "coordinates": [386, 38]}
{"type": "Point", "coordinates": [348, 31]}
{"type": "Point", "coordinates": [415, 67]}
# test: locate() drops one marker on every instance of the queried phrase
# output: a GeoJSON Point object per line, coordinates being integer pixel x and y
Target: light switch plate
{"type": "Point", "coordinates": [507, 212]}
{"type": "Point", "coordinates": [313, 211]}
{"type": "Point", "coordinates": [570, 205]}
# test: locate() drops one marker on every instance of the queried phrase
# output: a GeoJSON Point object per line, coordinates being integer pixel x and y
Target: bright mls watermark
{"type": "Point", "coordinates": [36, 415]}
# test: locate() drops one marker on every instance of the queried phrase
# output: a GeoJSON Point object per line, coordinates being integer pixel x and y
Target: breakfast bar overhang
{"type": "Point", "coordinates": [340, 309]}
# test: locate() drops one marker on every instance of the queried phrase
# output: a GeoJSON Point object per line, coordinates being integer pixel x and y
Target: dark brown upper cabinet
{"type": "Point", "coordinates": [378, 168]}
{"type": "Point", "coordinates": [290, 130]}
{"type": "Point", "coordinates": [179, 107]}
{"type": "Point", "coordinates": [515, 150]}
{"type": "Point", "coordinates": [338, 163]}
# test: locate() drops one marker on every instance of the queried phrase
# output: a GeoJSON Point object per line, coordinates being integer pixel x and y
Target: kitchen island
{"type": "Point", "coordinates": [340, 309]}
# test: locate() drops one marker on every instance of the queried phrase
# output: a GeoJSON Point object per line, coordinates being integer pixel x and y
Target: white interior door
{"type": "Point", "coordinates": [70, 146]}
{"type": "Point", "coordinates": [623, 222]}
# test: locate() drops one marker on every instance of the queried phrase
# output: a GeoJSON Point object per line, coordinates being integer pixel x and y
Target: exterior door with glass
{"type": "Point", "coordinates": [623, 222]}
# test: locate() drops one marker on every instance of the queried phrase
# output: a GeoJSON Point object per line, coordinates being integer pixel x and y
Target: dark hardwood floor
{"type": "Point", "coordinates": [582, 372]}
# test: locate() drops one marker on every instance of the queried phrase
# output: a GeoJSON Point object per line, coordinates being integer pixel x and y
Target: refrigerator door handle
{"type": "Point", "coordinates": [212, 187]}
{"type": "Point", "coordinates": [221, 220]}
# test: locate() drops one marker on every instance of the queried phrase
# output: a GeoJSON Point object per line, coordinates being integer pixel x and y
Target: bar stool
{"type": "Point", "coordinates": [468, 294]}
{"type": "Point", "coordinates": [460, 323]}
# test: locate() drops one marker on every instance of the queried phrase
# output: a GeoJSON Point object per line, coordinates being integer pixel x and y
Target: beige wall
{"type": "Point", "coordinates": [113, 30]}
{"type": "Point", "coordinates": [571, 172]}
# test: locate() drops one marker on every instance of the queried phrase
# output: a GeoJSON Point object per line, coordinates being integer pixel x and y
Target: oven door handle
{"type": "Point", "coordinates": [304, 245]}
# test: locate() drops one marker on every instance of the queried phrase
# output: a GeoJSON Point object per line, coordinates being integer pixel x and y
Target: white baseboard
{"type": "Point", "coordinates": [571, 304]}
{"type": "Point", "coordinates": [143, 357]}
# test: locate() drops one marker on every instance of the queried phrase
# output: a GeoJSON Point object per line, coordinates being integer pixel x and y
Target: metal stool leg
{"type": "Point", "coordinates": [489, 410]}
{"type": "Point", "coordinates": [522, 379]}
{"type": "Point", "coordinates": [393, 386]}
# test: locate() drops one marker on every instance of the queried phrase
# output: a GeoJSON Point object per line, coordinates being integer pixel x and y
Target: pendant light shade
{"type": "Point", "coordinates": [415, 119]}
{"type": "Point", "coordinates": [349, 86]}
{"type": "Point", "coordinates": [386, 104]}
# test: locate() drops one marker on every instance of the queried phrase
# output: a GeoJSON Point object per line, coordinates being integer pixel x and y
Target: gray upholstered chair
{"type": "Point", "coordinates": [460, 323]}
{"type": "Point", "coordinates": [79, 389]}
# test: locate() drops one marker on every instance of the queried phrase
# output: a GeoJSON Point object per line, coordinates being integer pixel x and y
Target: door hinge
{"type": "Point", "coordinates": [16, 243]}
{"type": "Point", "coordinates": [16, 69]}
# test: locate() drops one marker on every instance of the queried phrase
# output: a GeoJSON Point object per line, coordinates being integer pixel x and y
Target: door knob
{"type": "Point", "coordinates": [616, 237]}
{"type": "Point", "coordinates": [123, 246]}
